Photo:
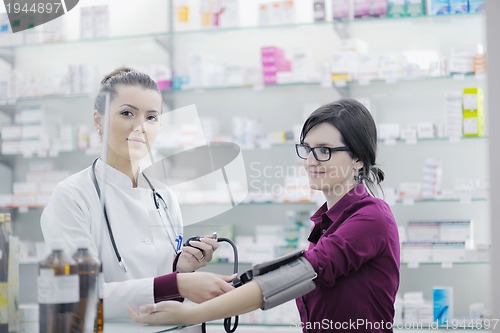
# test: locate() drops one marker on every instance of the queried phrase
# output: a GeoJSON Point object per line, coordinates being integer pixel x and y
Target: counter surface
{"type": "Point", "coordinates": [131, 327]}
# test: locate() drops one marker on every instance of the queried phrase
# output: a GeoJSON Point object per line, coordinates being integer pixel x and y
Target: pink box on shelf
{"type": "Point", "coordinates": [271, 60]}
{"type": "Point", "coordinates": [279, 66]}
{"type": "Point", "coordinates": [269, 70]}
{"type": "Point", "coordinates": [361, 8]}
{"type": "Point", "coordinates": [164, 85]}
{"type": "Point", "coordinates": [269, 78]}
{"type": "Point", "coordinates": [378, 8]}
{"type": "Point", "coordinates": [271, 50]}
{"type": "Point", "coordinates": [340, 10]}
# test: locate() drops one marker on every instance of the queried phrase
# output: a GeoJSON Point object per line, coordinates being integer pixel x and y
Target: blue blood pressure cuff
{"type": "Point", "coordinates": [282, 279]}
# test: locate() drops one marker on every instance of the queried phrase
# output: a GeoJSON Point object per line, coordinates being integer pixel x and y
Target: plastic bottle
{"type": "Point", "coordinates": [88, 271]}
{"type": "Point", "coordinates": [58, 292]}
{"type": "Point", "coordinates": [4, 264]}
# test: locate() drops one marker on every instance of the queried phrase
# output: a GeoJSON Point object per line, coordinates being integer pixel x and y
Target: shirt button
{"type": "Point", "coordinates": [323, 231]}
{"type": "Point", "coordinates": [148, 241]}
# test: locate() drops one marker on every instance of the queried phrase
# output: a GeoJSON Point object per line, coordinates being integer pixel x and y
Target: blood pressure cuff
{"type": "Point", "coordinates": [284, 279]}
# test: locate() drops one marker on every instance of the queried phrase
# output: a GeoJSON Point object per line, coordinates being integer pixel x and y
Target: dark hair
{"type": "Point", "coordinates": [122, 76]}
{"type": "Point", "coordinates": [359, 132]}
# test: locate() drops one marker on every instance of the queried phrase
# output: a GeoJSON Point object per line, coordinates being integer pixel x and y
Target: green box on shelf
{"type": "Point", "coordinates": [415, 8]}
{"type": "Point", "coordinates": [396, 8]}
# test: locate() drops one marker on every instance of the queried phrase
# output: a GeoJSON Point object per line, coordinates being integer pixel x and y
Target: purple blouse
{"type": "Point", "coordinates": [354, 249]}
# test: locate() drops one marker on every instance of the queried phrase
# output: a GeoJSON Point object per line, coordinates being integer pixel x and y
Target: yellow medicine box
{"type": "Point", "coordinates": [473, 112]}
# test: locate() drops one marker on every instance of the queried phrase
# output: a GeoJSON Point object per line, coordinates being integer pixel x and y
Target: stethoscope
{"type": "Point", "coordinates": [159, 202]}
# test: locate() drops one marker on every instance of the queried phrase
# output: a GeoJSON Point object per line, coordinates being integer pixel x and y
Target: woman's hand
{"type": "Point", "coordinates": [163, 313]}
{"type": "Point", "coordinates": [197, 255]}
{"type": "Point", "coordinates": [202, 286]}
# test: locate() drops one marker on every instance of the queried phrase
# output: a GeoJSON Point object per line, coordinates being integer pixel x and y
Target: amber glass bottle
{"type": "Point", "coordinates": [89, 269]}
{"type": "Point", "coordinates": [58, 292]}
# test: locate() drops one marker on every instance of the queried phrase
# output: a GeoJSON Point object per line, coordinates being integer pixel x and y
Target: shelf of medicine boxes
{"type": "Point", "coordinates": [9, 106]}
{"type": "Point", "coordinates": [163, 40]}
{"type": "Point", "coordinates": [333, 84]}
{"type": "Point", "coordinates": [452, 19]}
{"type": "Point", "coordinates": [10, 159]}
{"type": "Point", "coordinates": [291, 145]}
{"type": "Point", "coordinates": [207, 205]}
{"type": "Point", "coordinates": [160, 38]}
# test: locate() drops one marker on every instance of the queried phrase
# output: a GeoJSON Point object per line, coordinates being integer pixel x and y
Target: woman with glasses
{"type": "Point", "coordinates": [140, 236]}
{"type": "Point", "coordinates": [354, 244]}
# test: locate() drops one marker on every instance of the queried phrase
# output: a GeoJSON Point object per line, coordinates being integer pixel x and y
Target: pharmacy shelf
{"type": "Point", "coordinates": [410, 265]}
{"type": "Point", "coordinates": [410, 79]}
{"type": "Point", "coordinates": [258, 87]}
{"type": "Point", "coordinates": [451, 19]}
{"type": "Point", "coordinates": [339, 85]}
{"type": "Point", "coordinates": [433, 140]}
{"type": "Point", "coordinates": [162, 36]}
{"type": "Point", "coordinates": [304, 204]}
{"type": "Point", "coordinates": [51, 155]}
{"type": "Point", "coordinates": [465, 200]}
{"type": "Point", "coordinates": [10, 106]}
{"type": "Point", "coordinates": [205, 205]}
{"type": "Point", "coordinates": [251, 204]}
{"type": "Point", "coordinates": [291, 145]}
{"type": "Point", "coordinates": [155, 36]}
{"type": "Point", "coordinates": [413, 265]}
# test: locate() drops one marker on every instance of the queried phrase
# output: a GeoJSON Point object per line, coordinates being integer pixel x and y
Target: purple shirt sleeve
{"type": "Point", "coordinates": [166, 289]}
{"type": "Point", "coordinates": [361, 237]}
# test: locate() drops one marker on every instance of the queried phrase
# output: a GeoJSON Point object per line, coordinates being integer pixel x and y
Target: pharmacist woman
{"type": "Point", "coordinates": [142, 236]}
{"type": "Point", "coordinates": [353, 252]}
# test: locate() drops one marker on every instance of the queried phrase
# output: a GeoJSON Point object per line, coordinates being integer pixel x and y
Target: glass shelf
{"type": "Point", "coordinates": [413, 265]}
{"type": "Point", "coordinates": [9, 105]}
{"type": "Point", "coordinates": [291, 145]}
{"type": "Point", "coordinates": [432, 140]}
{"type": "Point", "coordinates": [151, 35]}
{"type": "Point", "coordinates": [406, 264]}
{"type": "Point", "coordinates": [251, 204]}
{"type": "Point", "coordinates": [375, 20]}
{"type": "Point", "coordinates": [163, 35]}
{"type": "Point", "coordinates": [35, 155]}
{"type": "Point", "coordinates": [284, 204]}
{"type": "Point", "coordinates": [409, 202]}
{"type": "Point", "coordinates": [47, 97]}
{"type": "Point", "coordinates": [335, 85]}
{"type": "Point", "coordinates": [259, 87]}
{"type": "Point", "coordinates": [278, 204]}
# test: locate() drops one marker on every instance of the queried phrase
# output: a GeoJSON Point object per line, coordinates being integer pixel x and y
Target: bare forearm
{"type": "Point", "coordinates": [237, 301]}
{"type": "Point", "coordinates": [241, 300]}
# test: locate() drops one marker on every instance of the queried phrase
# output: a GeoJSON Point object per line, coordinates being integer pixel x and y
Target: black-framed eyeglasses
{"type": "Point", "coordinates": [321, 154]}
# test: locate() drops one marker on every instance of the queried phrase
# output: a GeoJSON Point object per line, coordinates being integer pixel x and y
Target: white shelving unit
{"type": "Point", "coordinates": [280, 107]}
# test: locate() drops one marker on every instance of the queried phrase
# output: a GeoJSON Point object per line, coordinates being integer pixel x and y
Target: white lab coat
{"type": "Point", "coordinates": [74, 211]}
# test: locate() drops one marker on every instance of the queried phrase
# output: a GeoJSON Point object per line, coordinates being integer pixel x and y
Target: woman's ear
{"type": "Point", "coordinates": [357, 164]}
{"type": "Point", "coordinates": [97, 122]}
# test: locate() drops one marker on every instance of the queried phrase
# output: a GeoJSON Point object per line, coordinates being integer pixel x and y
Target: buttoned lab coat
{"type": "Point", "coordinates": [144, 241]}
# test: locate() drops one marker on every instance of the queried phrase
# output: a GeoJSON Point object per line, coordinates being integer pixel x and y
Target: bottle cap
{"type": "Point", "coordinates": [82, 243]}
{"type": "Point", "coordinates": [56, 245]}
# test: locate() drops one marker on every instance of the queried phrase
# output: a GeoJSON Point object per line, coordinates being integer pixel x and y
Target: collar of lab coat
{"type": "Point", "coordinates": [114, 176]}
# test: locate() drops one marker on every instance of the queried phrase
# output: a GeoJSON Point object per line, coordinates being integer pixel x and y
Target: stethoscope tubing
{"type": "Point", "coordinates": [156, 196]}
